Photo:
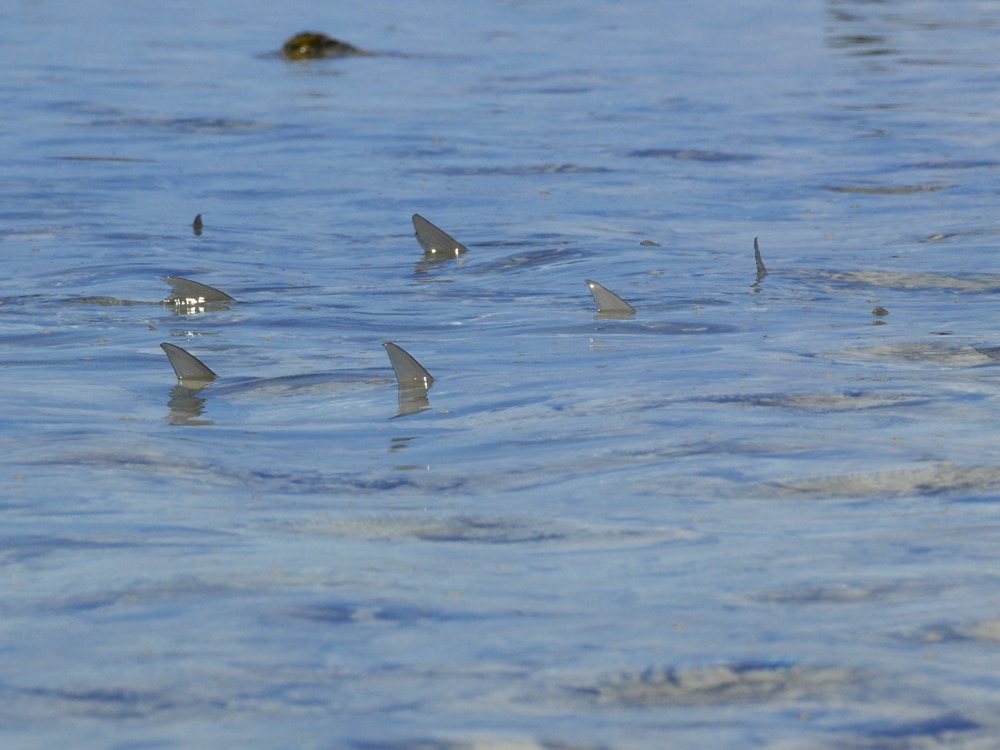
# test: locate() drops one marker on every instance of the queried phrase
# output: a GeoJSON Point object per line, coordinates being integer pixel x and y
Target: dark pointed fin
{"type": "Point", "coordinates": [761, 270]}
{"type": "Point", "coordinates": [186, 365]}
{"type": "Point", "coordinates": [434, 240]}
{"type": "Point", "coordinates": [409, 372]}
{"type": "Point", "coordinates": [609, 302]}
{"type": "Point", "coordinates": [187, 292]}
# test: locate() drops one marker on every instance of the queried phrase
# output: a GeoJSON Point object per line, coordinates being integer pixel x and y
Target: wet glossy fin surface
{"type": "Point", "coordinates": [761, 270]}
{"type": "Point", "coordinates": [435, 241]}
{"type": "Point", "coordinates": [187, 292]}
{"type": "Point", "coordinates": [609, 302]}
{"type": "Point", "coordinates": [186, 365]}
{"type": "Point", "coordinates": [409, 372]}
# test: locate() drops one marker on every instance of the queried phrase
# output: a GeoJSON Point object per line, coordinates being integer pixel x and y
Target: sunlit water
{"type": "Point", "coordinates": [752, 515]}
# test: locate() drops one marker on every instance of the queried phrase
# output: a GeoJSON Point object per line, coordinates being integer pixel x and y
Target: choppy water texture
{"type": "Point", "coordinates": [753, 514]}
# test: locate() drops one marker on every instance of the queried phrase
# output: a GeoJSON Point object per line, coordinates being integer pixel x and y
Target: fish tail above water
{"type": "Point", "coordinates": [186, 365]}
{"type": "Point", "coordinates": [761, 270]}
{"type": "Point", "coordinates": [436, 241]}
{"type": "Point", "coordinates": [185, 292]}
{"type": "Point", "coordinates": [607, 301]}
{"type": "Point", "coordinates": [409, 372]}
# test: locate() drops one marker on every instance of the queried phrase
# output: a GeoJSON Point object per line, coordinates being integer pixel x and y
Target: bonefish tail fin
{"type": "Point", "coordinates": [436, 241]}
{"type": "Point", "coordinates": [761, 270]}
{"type": "Point", "coordinates": [609, 302]}
{"type": "Point", "coordinates": [187, 292]}
{"type": "Point", "coordinates": [186, 365]}
{"type": "Point", "coordinates": [409, 372]}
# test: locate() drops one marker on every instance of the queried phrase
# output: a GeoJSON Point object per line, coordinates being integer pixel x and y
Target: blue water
{"type": "Point", "coordinates": [753, 515]}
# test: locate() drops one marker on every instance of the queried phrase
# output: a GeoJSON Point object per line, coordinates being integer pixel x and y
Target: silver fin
{"type": "Point", "coordinates": [409, 372]}
{"type": "Point", "coordinates": [609, 302]}
{"type": "Point", "coordinates": [186, 365]}
{"type": "Point", "coordinates": [185, 292]}
{"type": "Point", "coordinates": [761, 270]}
{"type": "Point", "coordinates": [435, 241]}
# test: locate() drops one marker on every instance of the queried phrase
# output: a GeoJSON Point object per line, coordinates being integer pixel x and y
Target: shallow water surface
{"type": "Point", "coordinates": [753, 514]}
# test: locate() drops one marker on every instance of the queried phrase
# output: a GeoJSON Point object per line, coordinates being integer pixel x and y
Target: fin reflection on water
{"type": "Point", "coordinates": [609, 304]}
{"type": "Point", "coordinates": [193, 376]}
{"type": "Point", "coordinates": [437, 244]}
{"type": "Point", "coordinates": [186, 406]}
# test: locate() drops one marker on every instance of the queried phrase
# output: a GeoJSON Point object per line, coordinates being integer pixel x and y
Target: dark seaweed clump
{"type": "Point", "coordinates": [310, 45]}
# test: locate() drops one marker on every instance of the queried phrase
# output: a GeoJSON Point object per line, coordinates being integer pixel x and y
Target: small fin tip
{"type": "Point", "coordinates": [761, 269]}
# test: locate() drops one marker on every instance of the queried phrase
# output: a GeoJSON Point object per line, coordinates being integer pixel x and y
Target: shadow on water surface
{"type": "Point", "coordinates": [680, 154]}
{"type": "Point", "coordinates": [726, 683]}
{"type": "Point", "coordinates": [940, 479]}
